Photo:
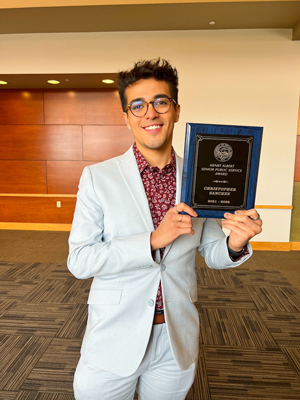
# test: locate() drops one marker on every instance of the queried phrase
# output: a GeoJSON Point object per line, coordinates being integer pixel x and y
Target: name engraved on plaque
{"type": "Point", "coordinates": [221, 171]}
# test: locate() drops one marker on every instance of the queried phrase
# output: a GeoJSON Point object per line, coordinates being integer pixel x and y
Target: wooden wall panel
{"type": "Point", "coordinates": [104, 142]}
{"type": "Point", "coordinates": [297, 161]}
{"type": "Point", "coordinates": [41, 142]}
{"type": "Point", "coordinates": [23, 177]}
{"type": "Point", "coordinates": [63, 176]}
{"type": "Point", "coordinates": [83, 107]}
{"type": "Point", "coordinates": [21, 107]}
{"type": "Point", "coordinates": [37, 209]}
{"type": "Point", "coordinates": [41, 148]}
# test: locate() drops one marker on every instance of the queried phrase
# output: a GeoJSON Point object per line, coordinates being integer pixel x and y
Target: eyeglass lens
{"type": "Point", "coordinates": [140, 108]}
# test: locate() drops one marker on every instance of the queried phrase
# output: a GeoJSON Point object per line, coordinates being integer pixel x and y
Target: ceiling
{"type": "Point", "coordinates": [149, 15]}
{"type": "Point", "coordinates": [158, 15]}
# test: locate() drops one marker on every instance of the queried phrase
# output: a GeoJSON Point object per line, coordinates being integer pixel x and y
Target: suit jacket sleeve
{"type": "Point", "coordinates": [213, 247]}
{"type": "Point", "coordinates": [90, 255]}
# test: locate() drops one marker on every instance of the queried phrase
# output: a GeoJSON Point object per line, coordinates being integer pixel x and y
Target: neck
{"type": "Point", "coordinates": [157, 158]}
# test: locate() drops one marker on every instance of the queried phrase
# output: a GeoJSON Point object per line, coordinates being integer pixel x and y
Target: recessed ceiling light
{"type": "Point", "coordinates": [3, 83]}
{"type": "Point", "coordinates": [212, 22]}
{"type": "Point", "coordinates": [53, 82]}
{"type": "Point", "coordinates": [108, 81]}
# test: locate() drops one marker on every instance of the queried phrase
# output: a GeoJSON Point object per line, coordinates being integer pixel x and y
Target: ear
{"type": "Point", "coordinates": [177, 110]}
{"type": "Point", "coordinates": [125, 116]}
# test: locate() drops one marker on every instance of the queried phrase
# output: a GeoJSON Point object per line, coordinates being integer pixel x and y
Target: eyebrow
{"type": "Point", "coordinates": [157, 96]}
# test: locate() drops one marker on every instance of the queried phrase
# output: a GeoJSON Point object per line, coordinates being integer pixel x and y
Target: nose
{"type": "Point", "coordinates": [151, 112]}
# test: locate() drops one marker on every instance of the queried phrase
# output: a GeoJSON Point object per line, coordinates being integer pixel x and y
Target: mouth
{"type": "Point", "coordinates": [152, 128]}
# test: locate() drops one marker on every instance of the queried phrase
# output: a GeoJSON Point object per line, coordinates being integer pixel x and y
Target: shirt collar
{"type": "Point", "coordinates": [143, 164]}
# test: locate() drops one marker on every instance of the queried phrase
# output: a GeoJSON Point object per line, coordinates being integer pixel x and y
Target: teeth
{"type": "Point", "coordinates": [152, 127]}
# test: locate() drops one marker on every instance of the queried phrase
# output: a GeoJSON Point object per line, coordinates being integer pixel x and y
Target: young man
{"type": "Point", "coordinates": [128, 234]}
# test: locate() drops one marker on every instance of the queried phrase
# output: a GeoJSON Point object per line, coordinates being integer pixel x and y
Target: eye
{"type": "Point", "coordinates": [137, 105]}
{"type": "Point", "coordinates": [162, 102]}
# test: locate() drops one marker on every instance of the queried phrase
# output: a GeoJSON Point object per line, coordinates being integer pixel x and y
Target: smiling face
{"type": "Point", "coordinates": [153, 131]}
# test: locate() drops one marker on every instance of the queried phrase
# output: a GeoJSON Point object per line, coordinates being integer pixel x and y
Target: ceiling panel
{"type": "Point", "coordinates": [151, 17]}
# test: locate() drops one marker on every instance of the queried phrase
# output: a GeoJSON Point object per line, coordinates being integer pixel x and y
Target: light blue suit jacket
{"type": "Point", "coordinates": [110, 241]}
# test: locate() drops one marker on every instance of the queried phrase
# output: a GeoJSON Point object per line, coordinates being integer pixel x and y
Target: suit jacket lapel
{"type": "Point", "coordinates": [131, 175]}
{"type": "Point", "coordinates": [178, 194]}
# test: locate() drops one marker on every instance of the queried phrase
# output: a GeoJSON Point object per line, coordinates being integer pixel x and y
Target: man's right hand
{"type": "Point", "coordinates": [172, 226]}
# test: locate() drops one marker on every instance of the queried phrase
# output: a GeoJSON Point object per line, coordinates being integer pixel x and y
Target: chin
{"type": "Point", "coordinates": [158, 144]}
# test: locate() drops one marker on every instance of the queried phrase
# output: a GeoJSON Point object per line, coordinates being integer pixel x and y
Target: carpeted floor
{"type": "Point", "coordinates": [30, 246]}
{"type": "Point", "coordinates": [250, 323]}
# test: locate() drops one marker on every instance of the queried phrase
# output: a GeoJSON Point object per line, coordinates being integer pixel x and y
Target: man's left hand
{"type": "Point", "coordinates": [244, 225]}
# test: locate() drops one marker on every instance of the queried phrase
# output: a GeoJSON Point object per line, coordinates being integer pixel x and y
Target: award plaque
{"type": "Point", "coordinates": [220, 168]}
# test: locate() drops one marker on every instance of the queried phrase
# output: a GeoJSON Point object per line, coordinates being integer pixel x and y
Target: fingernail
{"type": "Point", "coordinates": [226, 215]}
{"type": "Point", "coordinates": [238, 212]}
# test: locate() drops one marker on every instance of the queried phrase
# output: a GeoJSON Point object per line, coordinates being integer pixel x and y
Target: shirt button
{"type": "Point", "coordinates": [162, 200]}
{"type": "Point", "coordinates": [163, 267]}
{"type": "Point", "coordinates": [150, 303]}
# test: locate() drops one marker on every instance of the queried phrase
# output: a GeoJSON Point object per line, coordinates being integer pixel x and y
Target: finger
{"type": "Point", "coordinates": [238, 218]}
{"type": "Point", "coordinates": [237, 226]}
{"type": "Point", "coordinates": [241, 236]}
{"type": "Point", "coordinates": [252, 213]}
{"type": "Point", "coordinates": [181, 228]}
{"type": "Point", "coordinates": [178, 219]}
{"type": "Point", "coordinates": [184, 224]}
{"type": "Point", "coordinates": [182, 207]}
{"type": "Point", "coordinates": [184, 218]}
{"type": "Point", "coordinates": [229, 224]}
{"type": "Point", "coordinates": [242, 217]}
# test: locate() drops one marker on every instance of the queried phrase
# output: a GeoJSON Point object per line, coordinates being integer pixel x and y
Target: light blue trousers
{"type": "Point", "coordinates": [157, 378]}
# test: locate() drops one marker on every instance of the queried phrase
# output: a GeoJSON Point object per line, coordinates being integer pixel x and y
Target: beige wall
{"type": "Point", "coordinates": [241, 77]}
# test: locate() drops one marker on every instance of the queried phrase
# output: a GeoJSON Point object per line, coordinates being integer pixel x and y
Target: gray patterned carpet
{"type": "Point", "coordinates": [250, 325]}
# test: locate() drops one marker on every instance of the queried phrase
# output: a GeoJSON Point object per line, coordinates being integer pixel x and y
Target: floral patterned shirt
{"type": "Point", "coordinates": [160, 188]}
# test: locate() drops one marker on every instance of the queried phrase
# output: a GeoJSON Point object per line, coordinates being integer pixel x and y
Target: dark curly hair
{"type": "Point", "coordinates": [158, 69]}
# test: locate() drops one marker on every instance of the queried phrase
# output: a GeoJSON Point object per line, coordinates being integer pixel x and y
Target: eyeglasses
{"type": "Point", "coordinates": [162, 105]}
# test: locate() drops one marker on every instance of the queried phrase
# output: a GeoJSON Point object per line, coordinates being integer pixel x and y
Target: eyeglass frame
{"type": "Point", "coordinates": [151, 102]}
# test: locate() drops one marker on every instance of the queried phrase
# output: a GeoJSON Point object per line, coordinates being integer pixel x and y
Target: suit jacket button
{"type": "Point", "coordinates": [162, 267]}
{"type": "Point", "coordinates": [150, 302]}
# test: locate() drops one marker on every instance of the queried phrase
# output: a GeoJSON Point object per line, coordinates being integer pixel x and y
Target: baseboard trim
{"type": "Point", "coordinates": [274, 207]}
{"type": "Point", "coordinates": [275, 246]}
{"type": "Point", "coordinates": [295, 246]}
{"type": "Point", "coordinates": [20, 226]}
